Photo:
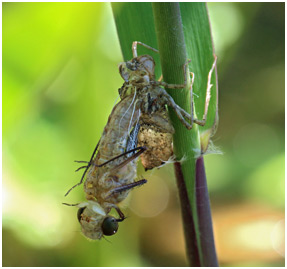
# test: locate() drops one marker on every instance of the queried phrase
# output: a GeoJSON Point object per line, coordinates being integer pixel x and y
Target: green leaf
{"type": "Point", "coordinates": [134, 22]}
{"type": "Point", "coordinates": [200, 50]}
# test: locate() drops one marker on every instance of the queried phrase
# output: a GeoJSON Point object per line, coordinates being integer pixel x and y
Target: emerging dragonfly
{"type": "Point", "coordinates": [156, 129]}
{"type": "Point", "coordinates": [111, 174]}
{"type": "Point", "coordinates": [142, 114]}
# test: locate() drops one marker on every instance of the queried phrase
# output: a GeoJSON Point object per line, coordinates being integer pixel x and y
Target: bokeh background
{"type": "Point", "coordinates": [60, 82]}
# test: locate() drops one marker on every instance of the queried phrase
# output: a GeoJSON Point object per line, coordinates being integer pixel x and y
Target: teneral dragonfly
{"type": "Point", "coordinates": [111, 174]}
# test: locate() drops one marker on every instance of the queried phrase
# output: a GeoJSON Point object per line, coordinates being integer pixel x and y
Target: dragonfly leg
{"type": "Point", "coordinates": [207, 99]}
{"type": "Point", "coordinates": [126, 187]}
{"type": "Point", "coordinates": [207, 96]}
{"type": "Point", "coordinates": [181, 113]}
{"type": "Point", "coordinates": [134, 48]}
{"type": "Point", "coordinates": [175, 86]}
{"type": "Point", "coordinates": [70, 204]}
{"type": "Point", "coordinates": [121, 214]}
{"type": "Point", "coordinates": [87, 167]}
{"type": "Point", "coordinates": [139, 149]}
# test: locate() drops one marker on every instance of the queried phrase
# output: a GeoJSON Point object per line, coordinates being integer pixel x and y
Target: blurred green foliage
{"type": "Point", "coordinates": [60, 82]}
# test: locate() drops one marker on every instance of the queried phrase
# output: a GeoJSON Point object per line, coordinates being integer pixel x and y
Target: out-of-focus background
{"type": "Point", "coordinates": [60, 82]}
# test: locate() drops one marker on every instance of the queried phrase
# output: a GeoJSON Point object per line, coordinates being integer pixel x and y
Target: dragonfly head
{"type": "Point", "coordinates": [95, 222]}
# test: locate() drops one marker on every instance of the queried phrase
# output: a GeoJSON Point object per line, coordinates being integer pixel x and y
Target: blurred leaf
{"type": "Point", "coordinates": [268, 176]}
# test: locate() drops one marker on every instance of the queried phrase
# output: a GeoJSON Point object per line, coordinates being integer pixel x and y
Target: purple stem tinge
{"type": "Point", "coordinates": [203, 254]}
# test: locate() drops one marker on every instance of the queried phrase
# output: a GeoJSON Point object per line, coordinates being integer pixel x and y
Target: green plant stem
{"type": "Point", "coordinates": [171, 45]}
{"type": "Point", "coordinates": [204, 216]}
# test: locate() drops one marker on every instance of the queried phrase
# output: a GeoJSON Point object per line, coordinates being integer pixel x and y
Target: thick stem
{"type": "Point", "coordinates": [204, 216]}
{"type": "Point", "coordinates": [173, 56]}
{"type": "Point", "coordinates": [171, 45]}
{"type": "Point", "coordinates": [192, 250]}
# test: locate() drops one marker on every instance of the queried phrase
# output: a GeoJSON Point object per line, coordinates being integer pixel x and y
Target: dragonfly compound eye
{"type": "Point", "coordinates": [80, 212]}
{"type": "Point", "coordinates": [110, 226]}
